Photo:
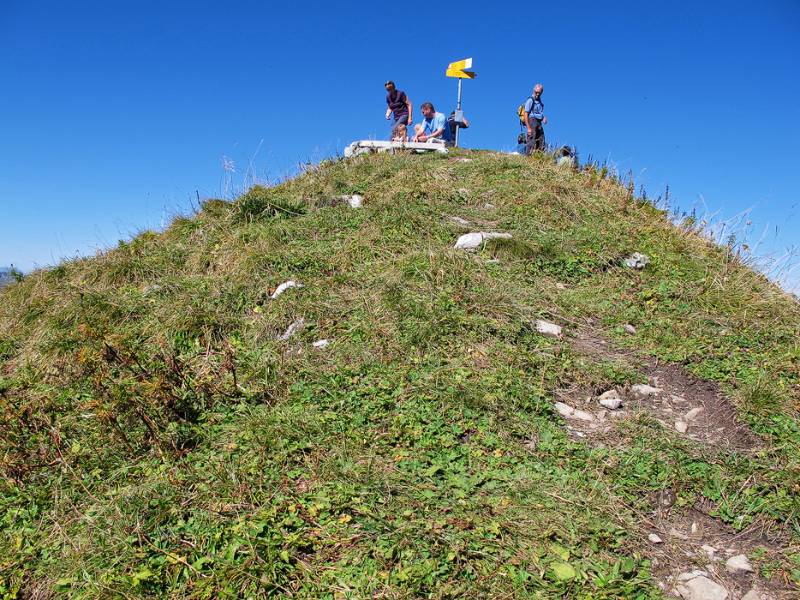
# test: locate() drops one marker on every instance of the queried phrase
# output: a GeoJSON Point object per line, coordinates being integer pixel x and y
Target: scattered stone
{"type": "Point", "coordinates": [488, 206]}
{"type": "Point", "coordinates": [675, 533]}
{"type": "Point", "coordinates": [560, 286]}
{"type": "Point", "coordinates": [459, 221]}
{"type": "Point", "coordinates": [610, 400]}
{"type": "Point", "coordinates": [700, 587]}
{"type": "Point", "coordinates": [321, 344]}
{"type": "Point", "coordinates": [473, 240]}
{"type": "Point", "coordinates": [654, 538]}
{"type": "Point", "coordinates": [566, 411]}
{"type": "Point", "coordinates": [679, 399]}
{"type": "Point", "coordinates": [693, 413]}
{"type": "Point", "coordinates": [642, 389]}
{"type": "Point", "coordinates": [681, 426]}
{"type": "Point", "coordinates": [710, 550]}
{"type": "Point", "coordinates": [292, 329]}
{"type": "Point", "coordinates": [354, 200]}
{"type": "Point", "coordinates": [464, 160]}
{"type": "Point", "coordinates": [285, 286]}
{"type": "Point", "coordinates": [629, 328]}
{"type": "Point", "coordinates": [637, 260]}
{"type": "Point", "coordinates": [583, 415]}
{"type": "Point", "coordinates": [548, 329]}
{"type": "Point", "coordinates": [695, 528]}
{"type": "Point", "coordinates": [738, 564]}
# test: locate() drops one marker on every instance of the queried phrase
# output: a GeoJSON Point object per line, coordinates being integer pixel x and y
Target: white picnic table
{"type": "Point", "coordinates": [369, 146]}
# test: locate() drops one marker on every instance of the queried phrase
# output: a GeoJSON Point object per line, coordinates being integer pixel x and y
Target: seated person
{"type": "Point", "coordinates": [400, 133]}
{"type": "Point", "coordinates": [432, 126]}
{"type": "Point", "coordinates": [452, 125]}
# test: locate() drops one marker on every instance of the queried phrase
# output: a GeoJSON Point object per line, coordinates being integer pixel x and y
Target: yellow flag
{"type": "Point", "coordinates": [459, 69]}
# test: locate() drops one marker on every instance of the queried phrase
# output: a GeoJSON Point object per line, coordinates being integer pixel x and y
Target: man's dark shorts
{"type": "Point", "coordinates": [401, 120]}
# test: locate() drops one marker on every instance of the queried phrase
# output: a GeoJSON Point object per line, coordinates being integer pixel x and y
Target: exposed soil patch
{"type": "Point", "coordinates": [689, 406]}
{"type": "Point", "coordinates": [689, 548]}
{"type": "Point", "coordinates": [693, 540]}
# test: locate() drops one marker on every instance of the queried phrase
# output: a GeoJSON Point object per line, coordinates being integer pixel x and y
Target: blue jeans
{"type": "Point", "coordinates": [401, 120]}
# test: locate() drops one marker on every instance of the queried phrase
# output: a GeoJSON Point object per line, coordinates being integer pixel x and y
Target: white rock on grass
{"type": "Point", "coordinates": [681, 426]}
{"type": "Point", "coordinates": [738, 564]}
{"type": "Point", "coordinates": [655, 538]}
{"type": "Point", "coordinates": [610, 400]}
{"type": "Point", "coordinates": [285, 286]}
{"type": "Point", "coordinates": [354, 200]}
{"type": "Point", "coordinates": [642, 389]}
{"type": "Point", "coordinates": [566, 411]}
{"type": "Point", "coordinates": [548, 329]}
{"type": "Point", "coordinates": [292, 329]}
{"type": "Point", "coordinates": [693, 413]}
{"type": "Point", "coordinates": [320, 344]}
{"type": "Point", "coordinates": [637, 260]}
{"type": "Point", "coordinates": [474, 240]}
{"type": "Point", "coordinates": [697, 586]}
{"type": "Point", "coordinates": [459, 221]}
{"type": "Point", "coordinates": [629, 328]}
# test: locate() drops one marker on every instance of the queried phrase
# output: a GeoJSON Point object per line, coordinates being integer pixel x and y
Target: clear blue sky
{"type": "Point", "coordinates": [115, 114]}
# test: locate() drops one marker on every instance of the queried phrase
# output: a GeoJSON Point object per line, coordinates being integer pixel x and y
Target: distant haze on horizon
{"type": "Point", "coordinates": [121, 114]}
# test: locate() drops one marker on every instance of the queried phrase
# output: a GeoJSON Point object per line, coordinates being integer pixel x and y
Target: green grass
{"type": "Point", "coordinates": [157, 441]}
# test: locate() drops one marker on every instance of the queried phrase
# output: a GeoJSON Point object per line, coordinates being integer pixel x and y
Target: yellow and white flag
{"type": "Point", "coordinates": [459, 69]}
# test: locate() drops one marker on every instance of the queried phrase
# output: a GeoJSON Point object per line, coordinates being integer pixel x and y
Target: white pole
{"type": "Point", "coordinates": [458, 109]}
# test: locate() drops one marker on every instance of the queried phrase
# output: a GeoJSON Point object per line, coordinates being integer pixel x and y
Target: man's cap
{"type": "Point", "coordinates": [388, 83]}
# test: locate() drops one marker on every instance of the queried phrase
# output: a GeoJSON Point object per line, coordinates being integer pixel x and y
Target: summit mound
{"type": "Point", "coordinates": [406, 418]}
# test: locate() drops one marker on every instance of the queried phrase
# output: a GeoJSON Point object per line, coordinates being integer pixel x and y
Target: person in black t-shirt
{"type": "Point", "coordinates": [399, 108]}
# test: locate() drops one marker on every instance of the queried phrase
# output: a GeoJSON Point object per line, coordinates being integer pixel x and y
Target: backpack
{"type": "Point", "coordinates": [521, 111]}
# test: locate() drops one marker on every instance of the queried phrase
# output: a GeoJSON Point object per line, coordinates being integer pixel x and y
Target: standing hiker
{"type": "Point", "coordinates": [398, 109]}
{"type": "Point", "coordinates": [534, 119]}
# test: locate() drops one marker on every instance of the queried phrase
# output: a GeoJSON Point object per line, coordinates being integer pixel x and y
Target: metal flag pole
{"type": "Point", "coordinates": [458, 112]}
{"type": "Point", "coordinates": [459, 70]}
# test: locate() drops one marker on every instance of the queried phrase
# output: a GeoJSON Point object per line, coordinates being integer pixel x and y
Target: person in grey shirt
{"type": "Point", "coordinates": [534, 120]}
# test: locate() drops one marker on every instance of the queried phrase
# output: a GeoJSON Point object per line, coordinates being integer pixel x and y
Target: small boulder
{"type": "Point", "coordinates": [681, 426]}
{"type": "Point", "coordinates": [320, 344]}
{"type": "Point", "coordinates": [292, 329]}
{"type": "Point", "coordinates": [629, 328]}
{"type": "Point", "coordinates": [700, 587]}
{"type": "Point", "coordinates": [610, 400]}
{"type": "Point", "coordinates": [285, 286]}
{"type": "Point", "coordinates": [693, 413]}
{"type": "Point", "coordinates": [655, 538]}
{"type": "Point", "coordinates": [566, 411]}
{"type": "Point", "coordinates": [637, 260]}
{"type": "Point", "coordinates": [354, 200]}
{"type": "Point", "coordinates": [738, 564]}
{"type": "Point", "coordinates": [548, 329]}
{"type": "Point", "coordinates": [641, 389]}
{"type": "Point", "coordinates": [474, 240]}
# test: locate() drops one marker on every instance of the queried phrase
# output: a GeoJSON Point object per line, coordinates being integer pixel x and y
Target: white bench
{"type": "Point", "coordinates": [368, 146]}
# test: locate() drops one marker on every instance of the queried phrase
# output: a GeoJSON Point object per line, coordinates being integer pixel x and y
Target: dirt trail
{"type": "Point", "coordinates": [690, 548]}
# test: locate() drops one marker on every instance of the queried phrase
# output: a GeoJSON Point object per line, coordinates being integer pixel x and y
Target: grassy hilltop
{"type": "Point", "coordinates": [158, 439]}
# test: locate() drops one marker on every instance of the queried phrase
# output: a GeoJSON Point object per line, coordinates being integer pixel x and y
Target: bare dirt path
{"type": "Point", "coordinates": [695, 555]}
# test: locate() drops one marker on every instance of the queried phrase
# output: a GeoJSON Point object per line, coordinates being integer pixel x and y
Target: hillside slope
{"type": "Point", "coordinates": [167, 433]}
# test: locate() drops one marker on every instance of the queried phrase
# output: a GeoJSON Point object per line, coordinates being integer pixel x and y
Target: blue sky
{"type": "Point", "coordinates": [116, 115]}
